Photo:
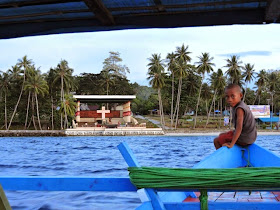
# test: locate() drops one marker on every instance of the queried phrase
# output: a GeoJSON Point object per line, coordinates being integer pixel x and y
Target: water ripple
{"type": "Point", "coordinates": [96, 156]}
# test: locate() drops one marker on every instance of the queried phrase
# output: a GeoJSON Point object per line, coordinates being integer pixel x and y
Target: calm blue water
{"type": "Point", "coordinates": [96, 156]}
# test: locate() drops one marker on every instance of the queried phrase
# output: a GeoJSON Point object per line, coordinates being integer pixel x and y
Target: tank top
{"type": "Point", "coordinates": [249, 131]}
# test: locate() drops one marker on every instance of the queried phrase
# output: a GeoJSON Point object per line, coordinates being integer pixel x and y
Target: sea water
{"type": "Point", "coordinates": [96, 157]}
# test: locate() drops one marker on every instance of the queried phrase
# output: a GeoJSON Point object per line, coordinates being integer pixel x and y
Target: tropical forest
{"type": "Point", "coordinates": [181, 93]}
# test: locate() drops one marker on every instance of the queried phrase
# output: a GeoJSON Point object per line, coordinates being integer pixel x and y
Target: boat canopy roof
{"type": "Point", "coordinates": [272, 119]}
{"type": "Point", "coordinates": [19, 18]}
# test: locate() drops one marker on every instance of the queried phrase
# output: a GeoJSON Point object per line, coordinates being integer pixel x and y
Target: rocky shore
{"type": "Point", "coordinates": [13, 133]}
{"type": "Point", "coordinates": [118, 132]}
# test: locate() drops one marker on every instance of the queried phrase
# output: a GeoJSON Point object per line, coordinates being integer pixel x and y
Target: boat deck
{"type": "Point", "coordinates": [262, 196]}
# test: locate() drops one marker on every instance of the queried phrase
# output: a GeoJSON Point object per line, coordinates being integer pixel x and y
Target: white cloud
{"type": "Point", "coordinates": [86, 52]}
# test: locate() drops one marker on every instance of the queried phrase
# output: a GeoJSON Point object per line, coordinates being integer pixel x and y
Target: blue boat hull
{"type": "Point", "coordinates": [253, 156]}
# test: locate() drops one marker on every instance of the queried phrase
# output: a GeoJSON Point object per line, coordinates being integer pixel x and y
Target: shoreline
{"type": "Point", "coordinates": [121, 132]}
{"type": "Point", "coordinates": [261, 133]}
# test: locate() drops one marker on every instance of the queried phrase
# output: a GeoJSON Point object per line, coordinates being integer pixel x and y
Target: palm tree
{"type": "Point", "coordinates": [15, 72]}
{"type": "Point", "coordinates": [52, 90]}
{"type": "Point", "coordinates": [206, 94]}
{"type": "Point", "coordinates": [29, 72]}
{"type": "Point", "coordinates": [181, 71]}
{"type": "Point", "coordinates": [24, 62]}
{"type": "Point", "coordinates": [108, 79]}
{"type": "Point", "coordinates": [218, 82]}
{"type": "Point", "coordinates": [234, 69]}
{"type": "Point", "coordinates": [272, 85]}
{"type": "Point", "coordinates": [36, 85]}
{"type": "Point", "coordinates": [64, 73]}
{"type": "Point", "coordinates": [261, 82]}
{"type": "Point", "coordinates": [248, 75]}
{"type": "Point", "coordinates": [190, 88]}
{"type": "Point", "coordinates": [156, 76]}
{"type": "Point", "coordinates": [204, 66]}
{"type": "Point", "coordinates": [5, 79]}
{"type": "Point", "coordinates": [171, 67]}
{"type": "Point", "coordinates": [69, 106]}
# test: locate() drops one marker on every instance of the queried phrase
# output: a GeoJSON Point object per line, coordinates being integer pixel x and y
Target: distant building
{"type": "Point", "coordinates": [91, 109]}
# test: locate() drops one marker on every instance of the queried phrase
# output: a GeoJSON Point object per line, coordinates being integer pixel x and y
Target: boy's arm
{"type": "Point", "coordinates": [238, 130]}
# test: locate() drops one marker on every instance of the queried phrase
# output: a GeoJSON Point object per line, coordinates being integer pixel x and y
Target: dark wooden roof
{"type": "Point", "coordinates": [20, 18]}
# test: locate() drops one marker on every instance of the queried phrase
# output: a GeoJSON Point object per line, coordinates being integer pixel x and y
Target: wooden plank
{"type": "Point", "coordinates": [261, 157]}
{"type": "Point", "coordinates": [132, 162]}
{"type": "Point", "coordinates": [4, 203]}
{"type": "Point", "coordinates": [223, 158]}
{"type": "Point", "coordinates": [128, 155]}
{"type": "Point", "coordinates": [67, 184]}
{"type": "Point", "coordinates": [160, 7]}
{"type": "Point", "coordinates": [272, 11]}
{"type": "Point", "coordinates": [15, 29]}
{"type": "Point", "coordinates": [32, 15]}
{"type": "Point", "coordinates": [190, 5]}
{"type": "Point", "coordinates": [145, 206]}
{"type": "Point", "coordinates": [224, 205]}
{"type": "Point", "coordinates": [16, 4]}
{"type": "Point", "coordinates": [100, 11]}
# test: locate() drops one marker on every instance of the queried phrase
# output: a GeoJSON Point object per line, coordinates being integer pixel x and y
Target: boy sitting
{"type": "Point", "coordinates": [245, 132]}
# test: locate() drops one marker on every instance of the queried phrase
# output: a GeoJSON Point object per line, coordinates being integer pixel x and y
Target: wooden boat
{"type": "Point", "coordinates": [253, 156]}
{"type": "Point", "coordinates": [237, 156]}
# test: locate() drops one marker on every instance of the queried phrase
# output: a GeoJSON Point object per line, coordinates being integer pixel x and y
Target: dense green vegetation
{"type": "Point", "coordinates": [182, 87]}
{"type": "Point", "coordinates": [33, 100]}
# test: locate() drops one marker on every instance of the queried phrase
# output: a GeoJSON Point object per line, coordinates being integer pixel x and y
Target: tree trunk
{"type": "Point", "coordinates": [52, 112]}
{"type": "Point", "coordinates": [33, 118]}
{"type": "Point", "coordinates": [172, 100]}
{"type": "Point", "coordinates": [19, 98]}
{"type": "Point", "coordinates": [178, 100]}
{"type": "Point", "coordinates": [65, 114]}
{"type": "Point", "coordinates": [6, 120]}
{"type": "Point", "coordinates": [272, 104]}
{"type": "Point", "coordinates": [107, 105]}
{"type": "Point", "coordinates": [245, 91]}
{"type": "Point", "coordinates": [206, 104]}
{"type": "Point", "coordinates": [255, 99]}
{"type": "Point", "coordinates": [61, 100]}
{"type": "Point", "coordinates": [210, 108]}
{"type": "Point", "coordinates": [186, 109]}
{"type": "Point", "coordinates": [38, 116]}
{"type": "Point", "coordinates": [214, 113]}
{"type": "Point", "coordinates": [163, 120]}
{"type": "Point", "coordinates": [27, 110]}
{"type": "Point", "coordinates": [221, 111]}
{"type": "Point", "coordinates": [197, 104]}
{"type": "Point", "coordinates": [161, 109]}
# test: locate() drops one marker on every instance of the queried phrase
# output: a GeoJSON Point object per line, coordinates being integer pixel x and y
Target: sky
{"type": "Point", "coordinates": [85, 52]}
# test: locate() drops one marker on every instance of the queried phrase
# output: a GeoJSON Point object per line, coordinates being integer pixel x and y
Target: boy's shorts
{"type": "Point", "coordinates": [225, 137]}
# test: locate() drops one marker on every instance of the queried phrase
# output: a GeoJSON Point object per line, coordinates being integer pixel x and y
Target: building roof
{"type": "Point", "coordinates": [104, 98]}
{"type": "Point", "coordinates": [19, 18]}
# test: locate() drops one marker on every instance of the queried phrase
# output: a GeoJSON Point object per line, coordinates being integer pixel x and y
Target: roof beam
{"type": "Point", "coordinates": [191, 5]}
{"type": "Point", "coordinates": [272, 11]}
{"type": "Point", "coordinates": [55, 26]}
{"type": "Point", "coordinates": [100, 11]}
{"type": "Point", "coordinates": [159, 6]}
{"type": "Point", "coordinates": [43, 14]}
{"type": "Point", "coordinates": [15, 4]}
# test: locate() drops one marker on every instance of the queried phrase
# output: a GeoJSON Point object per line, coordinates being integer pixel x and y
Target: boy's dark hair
{"type": "Point", "coordinates": [232, 86]}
